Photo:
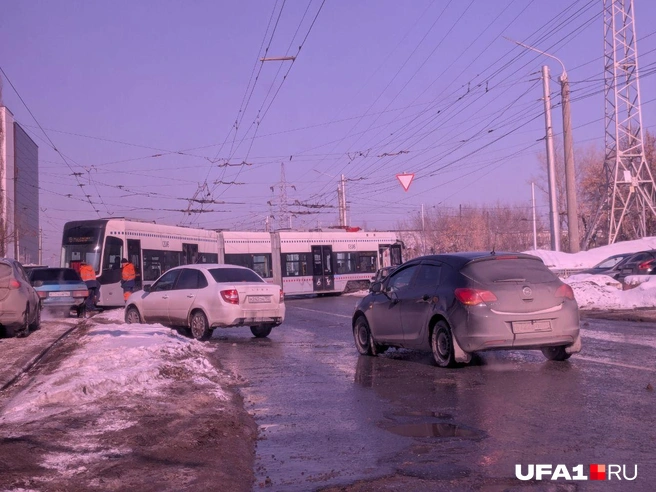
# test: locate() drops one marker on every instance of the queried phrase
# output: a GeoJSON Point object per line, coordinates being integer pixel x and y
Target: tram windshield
{"type": "Point", "coordinates": [82, 243]}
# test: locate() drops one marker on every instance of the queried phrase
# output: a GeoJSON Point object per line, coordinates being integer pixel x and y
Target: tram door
{"type": "Point", "coordinates": [134, 255]}
{"type": "Point", "coordinates": [323, 275]}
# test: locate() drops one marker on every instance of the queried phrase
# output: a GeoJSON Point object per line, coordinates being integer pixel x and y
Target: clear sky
{"type": "Point", "coordinates": [151, 104]}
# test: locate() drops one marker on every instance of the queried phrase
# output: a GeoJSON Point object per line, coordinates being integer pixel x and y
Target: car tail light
{"type": "Point", "coordinates": [565, 291]}
{"type": "Point", "coordinates": [282, 296]}
{"type": "Point", "coordinates": [42, 294]}
{"type": "Point", "coordinates": [14, 284]}
{"type": "Point", "coordinates": [473, 297]}
{"type": "Point", "coordinates": [230, 296]}
{"type": "Point", "coordinates": [645, 265]}
{"type": "Point", "coordinates": [80, 293]}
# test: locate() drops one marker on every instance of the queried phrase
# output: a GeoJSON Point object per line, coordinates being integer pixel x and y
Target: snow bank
{"type": "Point", "coordinates": [587, 259]}
{"type": "Point", "coordinates": [116, 358]}
{"type": "Point", "coordinates": [602, 292]}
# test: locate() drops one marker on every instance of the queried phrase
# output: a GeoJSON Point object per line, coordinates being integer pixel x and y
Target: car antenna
{"type": "Point", "coordinates": [494, 243]}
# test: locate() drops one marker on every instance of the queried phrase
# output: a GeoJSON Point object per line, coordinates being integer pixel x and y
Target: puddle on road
{"type": "Point", "coordinates": [435, 429]}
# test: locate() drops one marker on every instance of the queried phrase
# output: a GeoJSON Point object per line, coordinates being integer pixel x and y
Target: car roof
{"type": "Point", "coordinates": [460, 259]}
{"type": "Point", "coordinates": [200, 266]}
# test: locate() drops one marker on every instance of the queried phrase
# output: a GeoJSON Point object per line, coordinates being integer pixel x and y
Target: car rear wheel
{"type": "Point", "coordinates": [261, 331]}
{"type": "Point", "coordinates": [132, 316]}
{"type": "Point", "coordinates": [556, 353]}
{"type": "Point", "coordinates": [36, 323]}
{"type": "Point", "coordinates": [200, 329]}
{"type": "Point", "coordinates": [362, 336]}
{"type": "Point", "coordinates": [24, 329]}
{"type": "Point", "coordinates": [442, 345]}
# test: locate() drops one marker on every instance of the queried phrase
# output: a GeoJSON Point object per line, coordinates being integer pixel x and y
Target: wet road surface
{"type": "Point", "coordinates": [328, 416]}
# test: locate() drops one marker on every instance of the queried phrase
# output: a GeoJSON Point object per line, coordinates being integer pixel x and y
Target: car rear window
{"type": "Point", "coordinates": [507, 269]}
{"type": "Point", "coordinates": [54, 275]}
{"type": "Point", "coordinates": [234, 275]}
{"type": "Point", "coordinates": [5, 271]}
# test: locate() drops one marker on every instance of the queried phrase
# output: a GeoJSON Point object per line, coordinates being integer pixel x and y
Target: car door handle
{"type": "Point", "coordinates": [165, 297]}
{"type": "Point", "coordinates": [190, 296]}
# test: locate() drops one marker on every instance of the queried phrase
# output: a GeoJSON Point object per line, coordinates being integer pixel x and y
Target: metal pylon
{"type": "Point", "coordinates": [630, 182]}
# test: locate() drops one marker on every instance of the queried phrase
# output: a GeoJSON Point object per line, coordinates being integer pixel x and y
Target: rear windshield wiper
{"type": "Point", "coordinates": [510, 280]}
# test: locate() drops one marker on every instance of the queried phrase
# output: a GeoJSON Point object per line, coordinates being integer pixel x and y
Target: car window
{"type": "Point", "coordinates": [235, 275]}
{"type": "Point", "coordinates": [54, 275]}
{"type": "Point", "coordinates": [401, 279]}
{"type": "Point", "coordinates": [427, 276]}
{"type": "Point", "coordinates": [610, 262]}
{"type": "Point", "coordinates": [166, 281]}
{"type": "Point", "coordinates": [638, 258]}
{"type": "Point", "coordinates": [191, 279]}
{"type": "Point", "coordinates": [508, 269]}
{"type": "Point", "coordinates": [5, 271]}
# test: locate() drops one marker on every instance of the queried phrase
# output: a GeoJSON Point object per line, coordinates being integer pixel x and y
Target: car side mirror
{"type": "Point", "coordinates": [146, 288]}
{"type": "Point", "coordinates": [376, 287]}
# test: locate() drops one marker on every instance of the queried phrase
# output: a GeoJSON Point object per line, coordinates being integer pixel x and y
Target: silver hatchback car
{"type": "Point", "coordinates": [460, 303]}
{"type": "Point", "coordinates": [203, 297]}
{"type": "Point", "coordinates": [20, 306]}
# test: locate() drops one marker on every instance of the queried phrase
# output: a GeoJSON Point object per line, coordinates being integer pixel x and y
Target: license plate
{"type": "Point", "coordinates": [59, 294]}
{"type": "Point", "coordinates": [531, 326]}
{"type": "Point", "coordinates": [259, 299]}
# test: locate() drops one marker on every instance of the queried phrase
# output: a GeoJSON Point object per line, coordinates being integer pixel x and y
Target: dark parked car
{"type": "Point", "coordinates": [608, 266]}
{"type": "Point", "coordinates": [459, 303]}
{"type": "Point", "coordinates": [20, 309]}
{"type": "Point", "coordinates": [641, 263]}
{"type": "Point", "coordinates": [60, 289]}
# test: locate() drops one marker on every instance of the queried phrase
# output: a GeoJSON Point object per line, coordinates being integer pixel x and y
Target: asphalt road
{"type": "Point", "coordinates": [329, 417]}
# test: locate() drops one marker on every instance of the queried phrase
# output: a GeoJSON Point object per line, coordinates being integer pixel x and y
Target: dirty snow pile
{"type": "Point", "coordinates": [587, 259]}
{"type": "Point", "coordinates": [116, 358]}
{"type": "Point", "coordinates": [600, 291]}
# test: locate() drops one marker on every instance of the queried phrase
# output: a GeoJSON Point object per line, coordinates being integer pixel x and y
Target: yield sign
{"type": "Point", "coordinates": [405, 179]}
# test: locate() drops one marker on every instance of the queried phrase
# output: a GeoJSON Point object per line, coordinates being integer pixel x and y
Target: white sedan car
{"type": "Point", "coordinates": [207, 296]}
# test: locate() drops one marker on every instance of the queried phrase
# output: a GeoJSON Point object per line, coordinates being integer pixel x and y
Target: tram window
{"type": "Point", "coordinates": [296, 264]}
{"type": "Point", "coordinates": [207, 258]}
{"type": "Point", "coordinates": [113, 253]}
{"type": "Point", "coordinates": [345, 262]}
{"type": "Point", "coordinates": [367, 262]}
{"type": "Point", "coordinates": [152, 264]}
{"type": "Point", "coordinates": [262, 265]}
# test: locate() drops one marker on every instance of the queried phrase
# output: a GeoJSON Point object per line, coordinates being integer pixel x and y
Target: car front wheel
{"type": "Point", "coordinates": [362, 336]}
{"type": "Point", "coordinates": [261, 331]}
{"type": "Point", "coordinates": [200, 329]}
{"type": "Point", "coordinates": [556, 353]}
{"type": "Point", "coordinates": [442, 345]}
{"type": "Point", "coordinates": [132, 316]}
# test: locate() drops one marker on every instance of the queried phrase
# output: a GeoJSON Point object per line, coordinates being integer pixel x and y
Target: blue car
{"type": "Point", "coordinates": [60, 289]}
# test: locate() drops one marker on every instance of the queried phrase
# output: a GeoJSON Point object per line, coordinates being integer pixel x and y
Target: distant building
{"type": "Point", "coordinates": [19, 191]}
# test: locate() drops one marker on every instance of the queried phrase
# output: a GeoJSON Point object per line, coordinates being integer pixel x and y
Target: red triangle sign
{"type": "Point", "coordinates": [405, 179]}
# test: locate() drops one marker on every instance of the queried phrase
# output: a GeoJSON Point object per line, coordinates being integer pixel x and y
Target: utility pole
{"type": "Point", "coordinates": [553, 205]}
{"type": "Point", "coordinates": [570, 174]}
{"type": "Point", "coordinates": [423, 231]}
{"type": "Point", "coordinates": [535, 223]}
{"type": "Point", "coordinates": [341, 201]}
{"type": "Point", "coordinates": [40, 246]}
{"type": "Point", "coordinates": [568, 146]}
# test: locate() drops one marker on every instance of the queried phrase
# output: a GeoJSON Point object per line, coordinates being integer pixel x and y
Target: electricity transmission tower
{"type": "Point", "coordinates": [284, 217]}
{"type": "Point", "coordinates": [630, 182]}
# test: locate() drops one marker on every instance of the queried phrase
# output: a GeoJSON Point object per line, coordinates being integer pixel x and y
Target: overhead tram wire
{"type": "Point", "coordinates": [544, 26]}
{"type": "Point", "coordinates": [51, 143]}
{"type": "Point", "coordinates": [307, 34]}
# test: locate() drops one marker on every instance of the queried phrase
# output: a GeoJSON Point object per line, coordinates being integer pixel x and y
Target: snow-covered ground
{"type": "Point", "coordinates": [114, 358]}
{"type": "Point", "coordinates": [601, 292]}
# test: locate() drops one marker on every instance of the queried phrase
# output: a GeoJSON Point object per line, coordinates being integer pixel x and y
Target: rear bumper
{"type": "Point", "coordinates": [12, 319]}
{"type": "Point", "coordinates": [481, 329]}
{"type": "Point", "coordinates": [226, 317]}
